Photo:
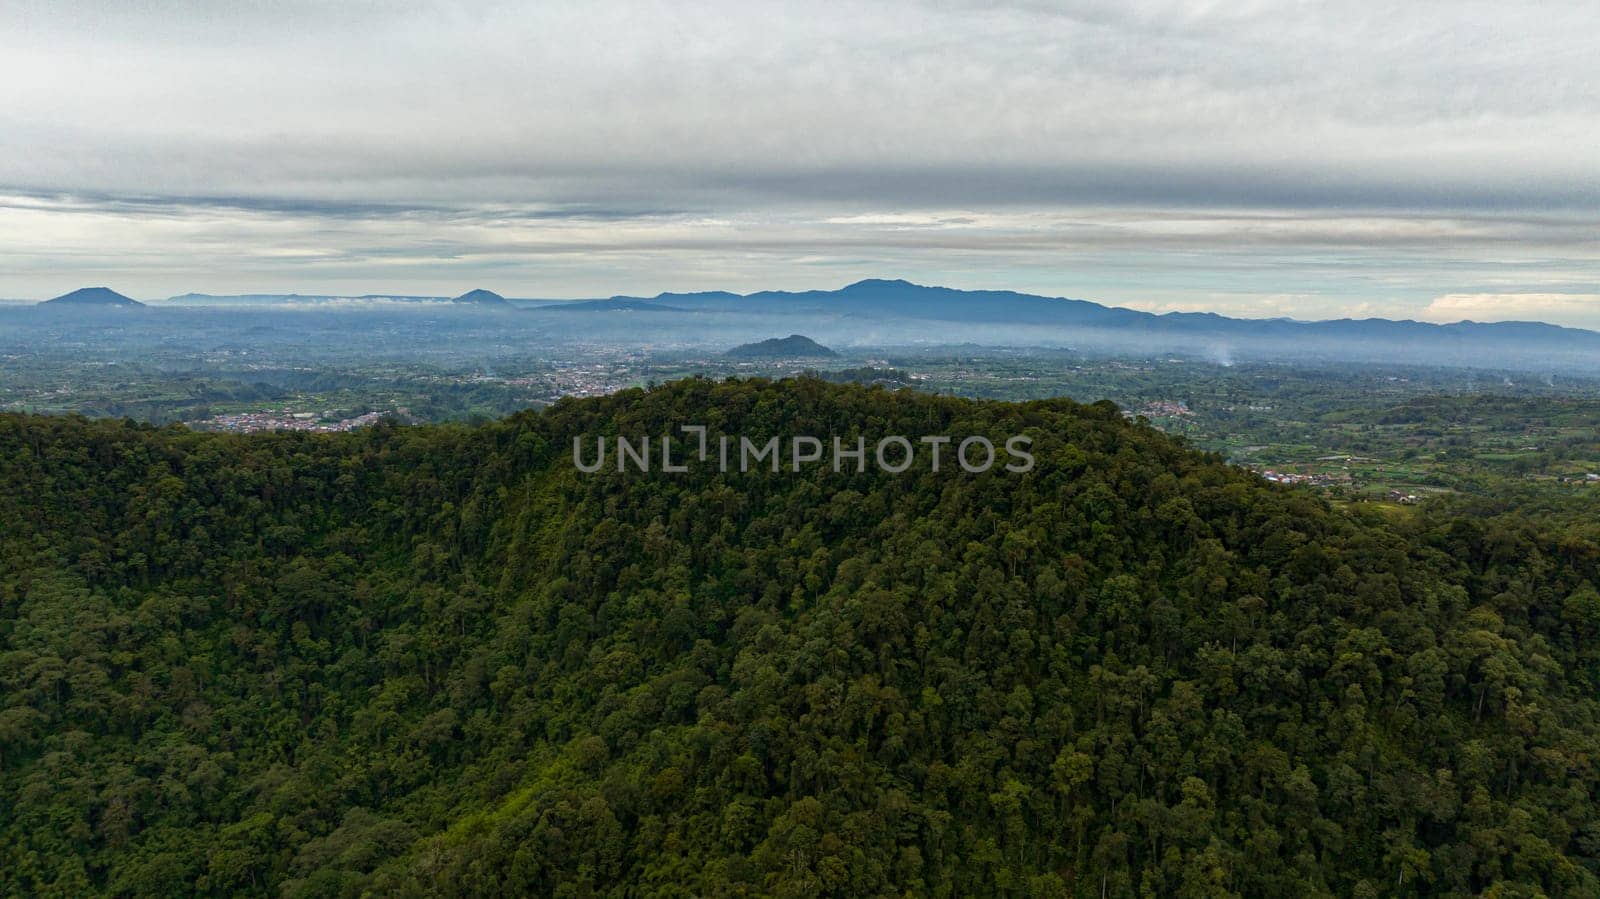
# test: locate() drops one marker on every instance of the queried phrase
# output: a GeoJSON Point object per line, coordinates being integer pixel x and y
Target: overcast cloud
{"type": "Point", "coordinates": [1309, 159]}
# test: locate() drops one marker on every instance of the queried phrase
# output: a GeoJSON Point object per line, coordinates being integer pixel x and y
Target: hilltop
{"type": "Point", "coordinates": [480, 297]}
{"type": "Point", "coordinates": [795, 346]}
{"type": "Point", "coordinates": [425, 660]}
{"type": "Point", "coordinates": [93, 296]}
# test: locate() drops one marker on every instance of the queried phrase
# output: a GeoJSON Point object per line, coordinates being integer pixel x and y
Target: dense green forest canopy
{"type": "Point", "coordinates": [436, 660]}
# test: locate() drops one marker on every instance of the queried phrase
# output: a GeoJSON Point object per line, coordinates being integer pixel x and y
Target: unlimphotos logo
{"type": "Point", "coordinates": [892, 454]}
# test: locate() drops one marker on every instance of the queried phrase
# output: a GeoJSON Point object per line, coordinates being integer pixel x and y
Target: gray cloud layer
{"type": "Point", "coordinates": [1340, 154]}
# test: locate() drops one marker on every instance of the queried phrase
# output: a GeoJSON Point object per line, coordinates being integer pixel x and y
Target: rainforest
{"type": "Point", "coordinates": [420, 660]}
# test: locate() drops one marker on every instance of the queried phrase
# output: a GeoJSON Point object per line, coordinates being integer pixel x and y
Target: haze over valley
{"type": "Point", "coordinates": [865, 315]}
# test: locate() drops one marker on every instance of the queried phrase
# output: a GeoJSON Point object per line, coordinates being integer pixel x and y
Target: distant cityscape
{"type": "Point", "coordinates": [287, 420]}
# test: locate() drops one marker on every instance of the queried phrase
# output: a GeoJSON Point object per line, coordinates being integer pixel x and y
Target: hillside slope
{"type": "Point", "coordinates": [439, 661]}
{"type": "Point", "coordinates": [795, 346]}
{"type": "Point", "coordinates": [95, 297]}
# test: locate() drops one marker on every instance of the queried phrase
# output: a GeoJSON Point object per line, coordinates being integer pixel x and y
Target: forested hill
{"type": "Point", "coordinates": [439, 660]}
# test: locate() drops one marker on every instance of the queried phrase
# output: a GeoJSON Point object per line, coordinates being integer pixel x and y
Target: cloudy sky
{"type": "Point", "coordinates": [1419, 159]}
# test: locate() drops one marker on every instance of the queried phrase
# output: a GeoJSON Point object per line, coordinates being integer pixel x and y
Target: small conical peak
{"type": "Point", "coordinates": [93, 296]}
{"type": "Point", "coordinates": [479, 295]}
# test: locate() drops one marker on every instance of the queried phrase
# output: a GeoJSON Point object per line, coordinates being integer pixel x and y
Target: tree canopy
{"type": "Point", "coordinates": [438, 660]}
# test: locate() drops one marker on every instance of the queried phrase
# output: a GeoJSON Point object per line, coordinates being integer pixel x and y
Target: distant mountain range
{"type": "Point", "coordinates": [879, 298]}
{"type": "Point", "coordinates": [889, 310]}
{"type": "Point", "coordinates": [878, 312]}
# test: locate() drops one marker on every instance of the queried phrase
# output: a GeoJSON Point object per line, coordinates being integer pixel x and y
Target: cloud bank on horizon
{"type": "Point", "coordinates": [1429, 160]}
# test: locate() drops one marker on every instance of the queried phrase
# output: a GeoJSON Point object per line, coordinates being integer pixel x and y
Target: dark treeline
{"type": "Point", "coordinates": [436, 660]}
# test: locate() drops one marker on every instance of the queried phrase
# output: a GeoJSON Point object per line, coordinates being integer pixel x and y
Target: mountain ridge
{"type": "Point", "coordinates": [896, 297]}
{"type": "Point", "coordinates": [898, 313]}
{"type": "Point", "coordinates": [936, 303]}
